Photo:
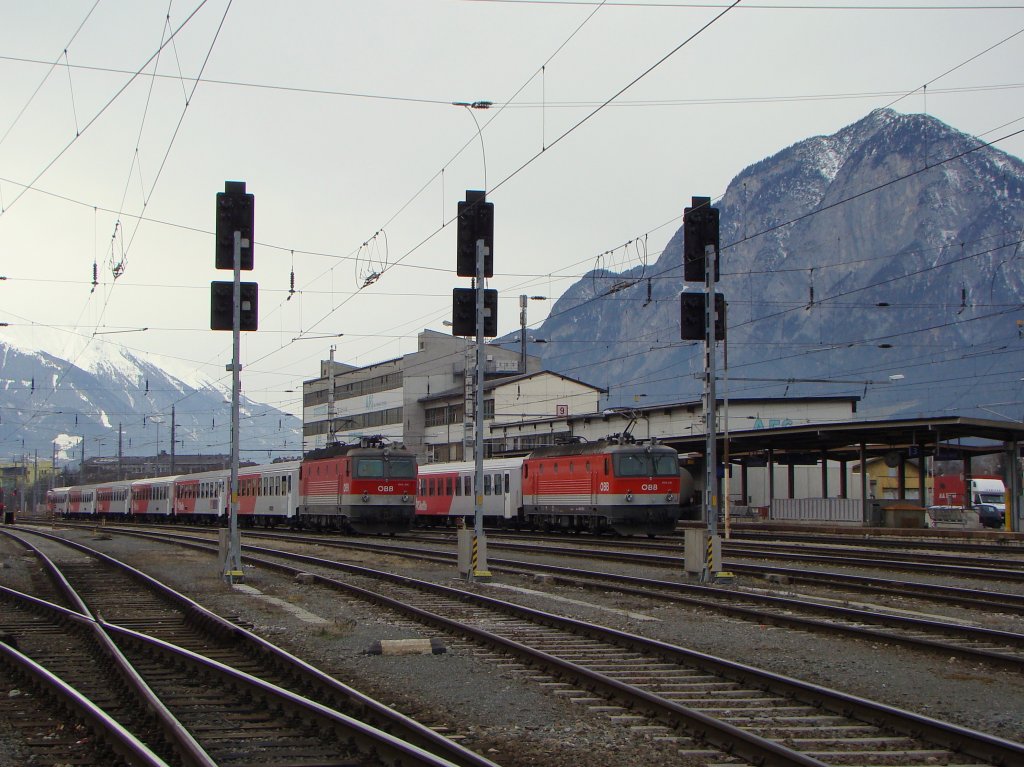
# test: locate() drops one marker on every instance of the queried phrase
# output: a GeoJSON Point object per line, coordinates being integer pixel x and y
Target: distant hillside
{"type": "Point", "coordinates": [849, 259]}
{"type": "Point", "coordinates": [49, 404]}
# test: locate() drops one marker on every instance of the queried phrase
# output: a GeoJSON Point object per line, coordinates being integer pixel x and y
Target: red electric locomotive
{"type": "Point", "coordinates": [365, 488]}
{"type": "Point", "coordinates": [606, 485]}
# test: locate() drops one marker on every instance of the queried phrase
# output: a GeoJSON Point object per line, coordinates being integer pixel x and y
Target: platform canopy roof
{"type": "Point", "coordinates": [951, 438]}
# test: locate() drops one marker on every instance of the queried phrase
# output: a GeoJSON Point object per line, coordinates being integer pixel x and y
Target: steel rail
{"type": "Point", "coordinates": [120, 740]}
{"type": "Point", "coordinates": [976, 744]}
{"type": "Point", "coordinates": [390, 748]}
{"type": "Point", "coordinates": [714, 598]}
{"type": "Point", "coordinates": [385, 717]}
{"type": "Point", "coordinates": [967, 597]}
{"type": "Point", "coordinates": [373, 740]}
{"type": "Point", "coordinates": [988, 748]}
{"type": "Point", "coordinates": [178, 737]}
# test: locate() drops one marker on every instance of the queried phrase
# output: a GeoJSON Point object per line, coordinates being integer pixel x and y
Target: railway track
{"type": "Point", "coordinates": [983, 542]}
{"type": "Point", "coordinates": [221, 695]}
{"type": "Point", "coordinates": [718, 710]}
{"type": "Point", "coordinates": [840, 615]}
{"type": "Point", "coordinates": [894, 626]}
{"type": "Point", "coordinates": [1005, 569]}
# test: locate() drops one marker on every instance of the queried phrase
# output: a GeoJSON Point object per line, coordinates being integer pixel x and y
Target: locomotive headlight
{"type": "Point", "coordinates": [405, 497]}
{"type": "Point", "coordinates": [669, 497]}
{"type": "Point", "coordinates": [366, 497]}
{"type": "Point", "coordinates": [629, 497]}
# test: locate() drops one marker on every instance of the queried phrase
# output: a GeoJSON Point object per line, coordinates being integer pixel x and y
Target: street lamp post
{"type": "Point", "coordinates": [470, 106]}
{"type": "Point", "coordinates": [157, 419]}
{"type": "Point", "coordinates": [522, 325]}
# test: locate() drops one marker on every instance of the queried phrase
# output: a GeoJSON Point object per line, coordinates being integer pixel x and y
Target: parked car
{"type": "Point", "coordinates": [990, 515]}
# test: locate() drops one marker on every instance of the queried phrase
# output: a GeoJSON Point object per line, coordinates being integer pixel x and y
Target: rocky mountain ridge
{"type": "Point", "coordinates": [883, 261]}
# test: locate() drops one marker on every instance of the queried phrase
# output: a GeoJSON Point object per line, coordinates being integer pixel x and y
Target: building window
{"type": "Point", "coordinates": [435, 416]}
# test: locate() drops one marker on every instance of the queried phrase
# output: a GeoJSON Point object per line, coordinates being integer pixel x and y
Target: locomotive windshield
{"type": "Point", "coordinates": [645, 465]}
{"type": "Point", "coordinates": [378, 468]}
{"type": "Point", "coordinates": [402, 468]}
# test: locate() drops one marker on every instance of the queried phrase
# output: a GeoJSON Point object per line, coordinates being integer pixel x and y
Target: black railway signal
{"type": "Point", "coordinates": [222, 309]}
{"type": "Point", "coordinates": [235, 213]}
{"type": "Point", "coordinates": [464, 312]}
{"type": "Point", "coordinates": [700, 229]}
{"type": "Point", "coordinates": [476, 222]}
{"type": "Point", "coordinates": [691, 316]}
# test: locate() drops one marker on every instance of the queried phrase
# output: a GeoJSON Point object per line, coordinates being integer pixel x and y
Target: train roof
{"type": "Point", "coordinates": [591, 448]}
{"type": "Point", "coordinates": [364, 448]}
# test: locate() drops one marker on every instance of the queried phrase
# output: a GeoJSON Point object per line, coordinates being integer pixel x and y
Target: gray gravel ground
{"type": "Point", "coordinates": [513, 721]}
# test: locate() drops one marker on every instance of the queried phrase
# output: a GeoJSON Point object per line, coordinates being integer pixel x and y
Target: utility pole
{"type": "Point", "coordinates": [522, 334]}
{"type": "Point", "coordinates": [331, 433]}
{"type": "Point", "coordinates": [173, 424]}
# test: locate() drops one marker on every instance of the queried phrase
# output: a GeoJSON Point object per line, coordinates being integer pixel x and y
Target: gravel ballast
{"type": "Point", "coordinates": [494, 709]}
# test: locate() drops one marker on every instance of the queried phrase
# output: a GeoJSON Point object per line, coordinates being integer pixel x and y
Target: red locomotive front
{"type": "Point", "coordinates": [629, 488]}
{"type": "Point", "coordinates": [368, 488]}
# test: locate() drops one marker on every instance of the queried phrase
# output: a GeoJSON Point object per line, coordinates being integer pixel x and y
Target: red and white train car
{"type": "Point", "coordinates": [269, 494]}
{"type": "Point", "coordinates": [446, 490]}
{"type": "Point", "coordinates": [81, 503]}
{"type": "Point", "coordinates": [57, 501]}
{"type": "Point", "coordinates": [366, 488]}
{"type": "Point", "coordinates": [202, 497]}
{"type": "Point", "coordinates": [152, 498]}
{"type": "Point", "coordinates": [113, 501]}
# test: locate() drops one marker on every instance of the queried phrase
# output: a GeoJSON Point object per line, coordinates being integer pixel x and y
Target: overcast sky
{"type": "Point", "coordinates": [338, 115]}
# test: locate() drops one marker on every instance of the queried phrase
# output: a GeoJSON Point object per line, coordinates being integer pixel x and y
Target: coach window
{"type": "Point", "coordinates": [467, 487]}
{"type": "Point", "coordinates": [448, 489]}
{"type": "Point", "coordinates": [507, 489]}
{"type": "Point", "coordinates": [458, 486]}
{"type": "Point", "coordinates": [487, 484]}
{"type": "Point", "coordinates": [497, 485]}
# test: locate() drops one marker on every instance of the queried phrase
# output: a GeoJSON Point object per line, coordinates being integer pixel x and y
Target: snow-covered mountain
{"type": "Point", "coordinates": [51, 401]}
{"type": "Point", "coordinates": [883, 261]}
